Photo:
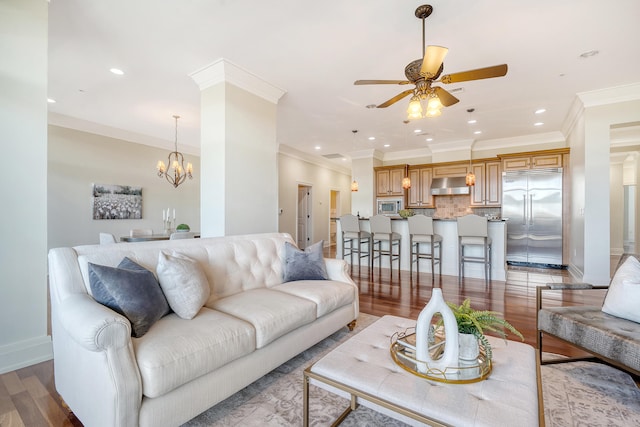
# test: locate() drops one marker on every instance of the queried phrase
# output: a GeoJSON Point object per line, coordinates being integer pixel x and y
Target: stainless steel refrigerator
{"type": "Point", "coordinates": [532, 202]}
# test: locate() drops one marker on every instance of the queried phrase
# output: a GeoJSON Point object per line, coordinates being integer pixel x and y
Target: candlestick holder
{"type": "Point", "coordinates": [168, 226]}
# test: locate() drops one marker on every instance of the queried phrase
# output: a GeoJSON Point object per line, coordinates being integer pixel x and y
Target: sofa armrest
{"type": "Point", "coordinates": [95, 368]}
{"type": "Point", "coordinates": [338, 270]}
{"type": "Point", "coordinates": [92, 325]}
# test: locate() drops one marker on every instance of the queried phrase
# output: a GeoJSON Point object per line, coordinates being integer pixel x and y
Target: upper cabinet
{"type": "Point", "coordinates": [488, 188]}
{"type": "Point", "coordinates": [389, 181]}
{"type": "Point", "coordinates": [419, 195]}
{"type": "Point", "coordinates": [533, 160]}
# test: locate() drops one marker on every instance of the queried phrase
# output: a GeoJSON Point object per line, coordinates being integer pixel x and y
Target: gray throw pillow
{"type": "Point", "coordinates": [130, 290]}
{"type": "Point", "coordinates": [304, 265]}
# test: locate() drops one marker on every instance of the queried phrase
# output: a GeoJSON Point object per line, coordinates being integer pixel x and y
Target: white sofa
{"type": "Point", "coordinates": [251, 323]}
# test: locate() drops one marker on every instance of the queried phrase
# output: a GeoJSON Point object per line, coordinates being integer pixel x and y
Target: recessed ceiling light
{"type": "Point", "coordinates": [417, 131]}
{"type": "Point", "coordinates": [344, 159]}
{"type": "Point", "coordinates": [429, 139]}
{"type": "Point", "coordinates": [540, 110]}
{"type": "Point", "coordinates": [473, 121]}
{"type": "Point", "coordinates": [538, 124]}
{"type": "Point", "coordinates": [372, 138]}
{"type": "Point", "coordinates": [317, 147]}
{"type": "Point", "coordinates": [117, 71]}
{"type": "Point", "coordinates": [387, 145]}
{"type": "Point", "coordinates": [589, 54]}
{"type": "Point", "coordinates": [51, 100]}
{"type": "Point", "coordinates": [478, 132]}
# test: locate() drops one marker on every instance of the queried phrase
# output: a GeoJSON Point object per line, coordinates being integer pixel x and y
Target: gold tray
{"type": "Point", "coordinates": [404, 354]}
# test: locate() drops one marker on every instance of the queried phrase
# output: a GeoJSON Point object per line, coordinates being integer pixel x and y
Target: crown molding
{"type": "Point", "coordinates": [223, 70]}
{"type": "Point", "coordinates": [74, 123]}
{"type": "Point", "coordinates": [612, 95]}
{"type": "Point", "coordinates": [407, 154]}
{"type": "Point", "coordinates": [293, 153]}
{"type": "Point", "coordinates": [530, 139]}
{"type": "Point", "coordinates": [443, 147]}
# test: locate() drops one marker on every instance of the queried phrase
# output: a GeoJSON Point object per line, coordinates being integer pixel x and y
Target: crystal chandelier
{"type": "Point", "coordinates": [176, 174]}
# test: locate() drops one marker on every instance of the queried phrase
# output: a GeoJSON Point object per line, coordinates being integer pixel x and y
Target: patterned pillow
{"type": "Point", "coordinates": [623, 295]}
{"type": "Point", "coordinates": [183, 282]}
{"type": "Point", "coordinates": [131, 290]}
{"type": "Point", "coordinates": [304, 265]}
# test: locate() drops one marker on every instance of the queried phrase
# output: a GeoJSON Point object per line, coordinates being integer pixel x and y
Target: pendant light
{"type": "Point", "coordinates": [470, 179]}
{"type": "Point", "coordinates": [354, 184]}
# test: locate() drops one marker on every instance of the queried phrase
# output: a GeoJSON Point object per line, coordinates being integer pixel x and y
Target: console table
{"type": "Point", "coordinates": [362, 370]}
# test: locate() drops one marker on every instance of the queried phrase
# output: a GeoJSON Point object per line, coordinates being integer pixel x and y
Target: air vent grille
{"type": "Point", "coordinates": [333, 156]}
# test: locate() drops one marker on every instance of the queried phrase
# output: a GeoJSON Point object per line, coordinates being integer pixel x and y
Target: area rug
{"type": "Point", "coordinates": [575, 394]}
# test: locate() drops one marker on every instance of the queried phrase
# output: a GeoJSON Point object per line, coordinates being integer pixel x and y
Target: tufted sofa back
{"type": "Point", "coordinates": [232, 264]}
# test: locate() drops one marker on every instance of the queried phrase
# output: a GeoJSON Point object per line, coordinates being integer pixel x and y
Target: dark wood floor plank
{"type": "Point", "coordinates": [28, 410]}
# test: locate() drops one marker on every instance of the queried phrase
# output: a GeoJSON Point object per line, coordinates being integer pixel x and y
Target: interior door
{"type": "Point", "coordinates": [303, 238]}
{"type": "Point", "coordinates": [514, 207]}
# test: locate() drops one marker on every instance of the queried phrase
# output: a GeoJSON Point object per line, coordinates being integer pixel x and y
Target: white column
{"type": "Point", "coordinates": [362, 164]}
{"type": "Point", "coordinates": [239, 179]}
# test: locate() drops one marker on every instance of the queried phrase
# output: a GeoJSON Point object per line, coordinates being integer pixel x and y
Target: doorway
{"type": "Point", "coordinates": [334, 213]}
{"type": "Point", "coordinates": [303, 237]}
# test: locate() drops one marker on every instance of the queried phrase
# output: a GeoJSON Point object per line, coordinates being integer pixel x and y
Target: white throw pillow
{"type": "Point", "coordinates": [623, 296]}
{"type": "Point", "coordinates": [183, 282]}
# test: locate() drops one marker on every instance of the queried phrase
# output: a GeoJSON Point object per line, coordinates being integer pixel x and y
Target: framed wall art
{"type": "Point", "coordinates": [117, 202]}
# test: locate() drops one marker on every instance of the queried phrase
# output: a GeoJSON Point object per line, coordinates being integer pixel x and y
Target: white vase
{"type": "Point", "coordinates": [450, 356]}
{"type": "Point", "coordinates": [468, 348]}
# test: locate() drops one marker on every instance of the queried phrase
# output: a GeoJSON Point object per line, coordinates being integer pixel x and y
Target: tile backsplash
{"type": "Point", "coordinates": [452, 206]}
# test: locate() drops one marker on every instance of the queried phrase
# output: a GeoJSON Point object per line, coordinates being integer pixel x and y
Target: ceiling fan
{"type": "Point", "coordinates": [427, 70]}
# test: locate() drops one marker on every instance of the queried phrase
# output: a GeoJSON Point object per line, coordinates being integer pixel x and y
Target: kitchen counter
{"type": "Point", "coordinates": [447, 228]}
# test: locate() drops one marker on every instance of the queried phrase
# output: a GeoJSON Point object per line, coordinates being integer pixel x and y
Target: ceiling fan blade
{"type": "Point", "coordinates": [381, 82]}
{"type": "Point", "coordinates": [446, 98]}
{"type": "Point", "coordinates": [433, 58]}
{"type": "Point", "coordinates": [478, 74]}
{"type": "Point", "coordinates": [396, 98]}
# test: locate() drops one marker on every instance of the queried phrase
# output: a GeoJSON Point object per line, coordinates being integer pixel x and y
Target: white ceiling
{"type": "Point", "coordinates": [316, 50]}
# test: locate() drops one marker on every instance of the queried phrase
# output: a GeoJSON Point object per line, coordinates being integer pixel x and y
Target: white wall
{"type": "Point", "coordinates": [23, 135]}
{"type": "Point", "coordinates": [292, 171]}
{"type": "Point", "coordinates": [589, 142]}
{"type": "Point", "coordinates": [77, 160]}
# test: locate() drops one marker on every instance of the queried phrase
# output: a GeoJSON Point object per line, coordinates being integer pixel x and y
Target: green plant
{"type": "Point", "coordinates": [184, 227]}
{"type": "Point", "coordinates": [405, 213]}
{"type": "Point", "coordinates": [476, 322]}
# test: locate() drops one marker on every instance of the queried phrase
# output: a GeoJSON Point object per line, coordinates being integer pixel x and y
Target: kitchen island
{"type": "Point", "coordinates": [448, 229]}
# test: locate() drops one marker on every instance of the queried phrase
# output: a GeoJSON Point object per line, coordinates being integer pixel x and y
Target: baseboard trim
{"type": "Point", "coordinates": [25, 353]}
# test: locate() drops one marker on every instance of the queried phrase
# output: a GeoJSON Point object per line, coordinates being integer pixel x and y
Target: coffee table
{"type": "Point", "coordinates": [362, 370]}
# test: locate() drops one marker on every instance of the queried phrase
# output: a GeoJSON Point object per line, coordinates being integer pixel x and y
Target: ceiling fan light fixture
{"type": "Point", "coordinates": [415, 108]}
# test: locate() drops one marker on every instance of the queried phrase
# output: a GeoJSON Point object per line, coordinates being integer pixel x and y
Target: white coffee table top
{"type": "Point", "coordinates": [509, 397]}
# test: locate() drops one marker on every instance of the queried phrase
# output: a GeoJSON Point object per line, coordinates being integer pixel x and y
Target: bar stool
{"type": "Point", "coordinates": [473, 231]}
{"type": "Point", "coordinates": [421, 232]}
{"type": "Point", "coordinates": [381, 232]}
{"type": "Point", "coordinates": [351, 234]}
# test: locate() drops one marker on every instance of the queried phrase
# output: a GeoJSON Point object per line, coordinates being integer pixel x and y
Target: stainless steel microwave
{"type": "Point", "coordinates": [389, 207]}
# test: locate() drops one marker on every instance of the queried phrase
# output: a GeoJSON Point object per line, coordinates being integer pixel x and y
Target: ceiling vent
{"type": "Point", "coordinates": [333, 156]}
{"type": "Point", "coordinates": [456, 90]}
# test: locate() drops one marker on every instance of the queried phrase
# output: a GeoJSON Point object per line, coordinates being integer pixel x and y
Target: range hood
{"type": "Point", "coordinates": [449, 186]}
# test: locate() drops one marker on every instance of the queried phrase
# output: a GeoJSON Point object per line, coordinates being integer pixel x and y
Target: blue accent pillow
{"type": "Point", "coordinates": [131, 290]}
{"type": "Point", "coordinates": [304, 265]}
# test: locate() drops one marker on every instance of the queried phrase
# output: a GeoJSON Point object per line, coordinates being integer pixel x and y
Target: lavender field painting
{"type": "Point", "coordinates": [117, 202]}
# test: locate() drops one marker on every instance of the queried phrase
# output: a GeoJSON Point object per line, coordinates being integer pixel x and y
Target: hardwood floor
{"type": "Point", "coordinates": [28, 396]}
